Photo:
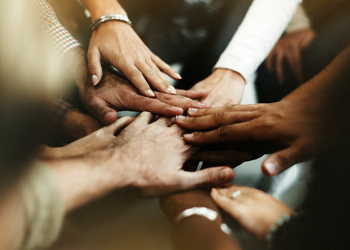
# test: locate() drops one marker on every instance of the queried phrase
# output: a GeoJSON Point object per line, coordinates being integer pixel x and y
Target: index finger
{"type": "Point", "coordinates": [215, 120]}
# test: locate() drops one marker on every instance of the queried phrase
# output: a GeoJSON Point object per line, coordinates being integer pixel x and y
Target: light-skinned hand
{"type": "Point", "coordinates": [223, 87]}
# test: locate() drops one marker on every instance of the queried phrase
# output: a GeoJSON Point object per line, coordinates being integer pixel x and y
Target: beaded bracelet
{"type": "Point", "coordinates": [108, 18]}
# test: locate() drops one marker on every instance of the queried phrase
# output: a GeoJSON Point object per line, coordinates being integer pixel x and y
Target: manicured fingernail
{"type": "Point", "coordinates": [94, 80]}
{"type": "Point", "coordinates": [171, 90]}
{"type": "Point", "coordinates": [271, 167]}
{"type": "Point", "coordinates": [203, 105]}
{"type": "Point", "coordinates": [192, 110]}
{"type": "Point", "coordinates": [150, 93]}
{"type": "Point", "coordinates": [178, 76]}
{"type": "Point", "coordinates": [225, 174]}
{"type": "Point", "coordinates": [188, 136]}
{"type": "Point", "coordinates": [180, 118]}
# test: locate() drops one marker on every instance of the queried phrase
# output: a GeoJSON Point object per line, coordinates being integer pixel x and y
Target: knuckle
{"type": "Point", "coordinates": [231, 108]}
{"type": "Point", "coordinates": [220, 117]}
{"type": "Point", "coordinates": [224, 130]}
{"type": "Point", "coordinates": [135, 73]}
{"type": "Point", "coordinates": [192, 120]}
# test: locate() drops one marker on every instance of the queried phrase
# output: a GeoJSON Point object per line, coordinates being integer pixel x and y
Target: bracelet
{"type": "Point", "coordinates": [108, 18]}
{"type": "Point", "coordinates": [201, 211]}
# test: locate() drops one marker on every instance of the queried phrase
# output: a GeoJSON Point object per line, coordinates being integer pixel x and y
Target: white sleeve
{"type": "Point", "coordinates": [261, 28]}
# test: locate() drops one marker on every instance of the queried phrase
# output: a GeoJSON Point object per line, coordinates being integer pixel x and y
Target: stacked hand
{"type": "Point", "coordinates": [297, 128]}
{"type": "Point", "coordinates": [118, 44]}
{"type": "Point", "coordinates": [116, 94]}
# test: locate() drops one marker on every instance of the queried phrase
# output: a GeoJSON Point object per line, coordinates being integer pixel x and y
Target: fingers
{"type": "Point", "coordinates": [193, 94]}
{"type": "Point", "coordinates": [94, 66]}
{"type": "Point", "coordinates": [228, 108]}
{"type": "Point", "coordinates": [120, 124]}
{"type": "Point", "coordinates": [225, 134]}
{"type": "Point", "coordinates": [222, 201]}
{"type": "Point", "coordinates": [165, 68]}
{"type": "Point", "coordinates": [165, 121]}
{"type": "Point", "coordinates": [269, 60]}
{"type": "Point", "coordinates": [294, 61]}
{"type": "Point", "coordinates": [208, 177]}
{"type": "Point", "coordinates": [103, 113]}
{"type": "Point", "coordinates": [180, 101]}
{"type": "Point", "coordinates": [280, 161]}
{"type": "Point", "coordinates": [155, 77]}
{"type": "Point", "coordinates": [136, 77]}
{"type": "Point", "coordinates": [141, 103]}
{"type": "Point", "coordinates": [215, 120]}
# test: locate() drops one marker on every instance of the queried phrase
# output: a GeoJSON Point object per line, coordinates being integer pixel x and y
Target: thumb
{"type": "Point", "coordinates": [120, 124]}
{"type": "Point", "coordinates": [103, 113]}
{"type": "Point", "coordinates": [214, 176]}
{"type": "Point", "coordinates": [280, 161]}
{"type": "Point", "coordinates": [94, 66]}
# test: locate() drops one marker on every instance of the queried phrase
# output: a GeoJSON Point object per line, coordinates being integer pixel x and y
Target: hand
{"type": "Point", "coordinates": [154, 154]}
{"type": "Point", "coordinates": [76, 125]}
{"type": "Point", "coordinates": [300, 128]}
{"type": "Point", "coordinates": [255, 210]}
{"type": "Point", "coordinates": [115, 94]}
{"type": "Point", "coordinates": [290, 48]}
{"type": "Point", "coordinates": [95, 141]}
{"type": "Point", "coordinates": [222, 87]}
{"type": "Point", "coordinates": [118, 44]}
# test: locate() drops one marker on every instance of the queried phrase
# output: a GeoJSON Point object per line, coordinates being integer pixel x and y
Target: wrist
{"type": "Point", "coordinates": [102, 8]}
{"type": "Point", "coordinates": [230, 75]}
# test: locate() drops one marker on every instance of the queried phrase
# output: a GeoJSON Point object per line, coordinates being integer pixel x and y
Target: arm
{"type": "Point", "coordinates": [304, 124]}
{"type": "Point", "coordinates": [196, 232]}
{"type": "Point", "coordinates": [117, 43]}
{"type": "Point", "coordinates": [264, 23]}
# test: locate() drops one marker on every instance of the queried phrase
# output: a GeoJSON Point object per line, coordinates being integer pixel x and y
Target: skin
{"type": "Point", "coordinates": [290, 48]}
{"type": "Point", "coordinates": [299, 124]}
{"type": "Point", "coordinates": [117, 43]}
{"type": "Point", "coordinates": [243, 208]}
{"type": "Point", "coordinates": [145, 157]}
{"type": "Point", "coordinates": [196, 232]}
{"type": "Point", "coordinates": [115, 94]}
{"type": "Point", "coordinates": [222, 87]}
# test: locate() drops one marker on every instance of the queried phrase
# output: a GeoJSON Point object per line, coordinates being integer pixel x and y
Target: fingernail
{"type": "Point", "coordinates": [94, 80]}
{"type": "Point", "coordinates": [192, 110]}
{"type": "Point", "coordinates": [203, 105]}
{"type": "Point", "coordinates": [225, 174]}
{"type": "Point", "coordinates": [171, 90]}
{"type": "Point", "coordinates": [271, 167]}
{"type": "Point", "coordinates": [177, 110]}
{"type": "Point", "coordinates": [180, 118]}
{"type": "Point", "coordinates": [188, 136]}
{"type": "Point", "coordinates": [150, 93]}
{"type": "Point", "coordinates": [178, 76]}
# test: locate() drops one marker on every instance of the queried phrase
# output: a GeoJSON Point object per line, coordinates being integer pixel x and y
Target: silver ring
{"type": "Point", "coordinates": [234, 195]}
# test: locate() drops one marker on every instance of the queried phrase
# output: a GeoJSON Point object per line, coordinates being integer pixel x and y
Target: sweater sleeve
{"type": "Point", "coordinates": [261, 28]}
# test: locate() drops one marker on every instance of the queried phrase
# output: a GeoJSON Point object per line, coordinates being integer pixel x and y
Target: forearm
{"type": "Point", "coordinates": [332, 82]}
{"type": "Point", "coordinates": [87, 178]}
{"type": "Point", "coordinates": [263, 25]}
{"type": "Point", "coordinates": [196, 232]}
{"type": "Point", "coordinates": [100, 8]}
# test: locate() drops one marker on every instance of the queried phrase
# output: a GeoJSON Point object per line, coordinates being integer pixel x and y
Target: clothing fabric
{"type": "Point", "coordinates": [43, 209]}
{"type": "Point", "coordinates": [261, 28]}
{"type": "Point", "coordinates": [58, 36]}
